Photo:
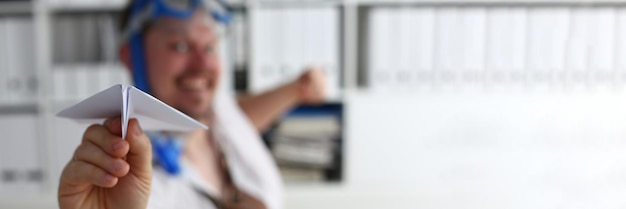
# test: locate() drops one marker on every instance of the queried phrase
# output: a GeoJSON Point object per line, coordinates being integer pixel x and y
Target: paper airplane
{"type": "Point", "coordinates": [130, 102]}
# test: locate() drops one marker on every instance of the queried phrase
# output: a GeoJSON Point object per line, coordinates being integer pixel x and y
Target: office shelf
{"type": "Point", "coordinates": [15, 7]}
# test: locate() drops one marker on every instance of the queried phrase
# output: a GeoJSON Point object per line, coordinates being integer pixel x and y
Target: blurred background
{"type": "Point", "coordinates": [432, 104]}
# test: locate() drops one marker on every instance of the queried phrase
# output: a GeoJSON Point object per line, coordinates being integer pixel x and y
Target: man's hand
{"type": "Point", "coordinates": [107, 171]}
{"type": "Point", "coordinates": [312, 86]}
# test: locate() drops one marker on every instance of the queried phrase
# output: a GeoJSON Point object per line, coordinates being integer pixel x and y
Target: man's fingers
{"type": "Point", "coordinates": [140, 154]}
{"type": "Point", "coordinates": [81, 172]}
{"type": "Point", "coordinates": [98, 160]}
{"type": "Point", "coordinates": [90, 153]}
{"type": "Point", "coordinates": [112, 144]}
{"type": "Point", "coordinates": [137, 147]}
{"type": "Point", "coordinates": [114, 125]}
{"type": "Point", "coordinates": [313, 86]}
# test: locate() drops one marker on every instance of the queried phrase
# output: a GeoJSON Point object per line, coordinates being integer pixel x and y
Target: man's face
{"type": "Point", "coordinates": [182, 63]}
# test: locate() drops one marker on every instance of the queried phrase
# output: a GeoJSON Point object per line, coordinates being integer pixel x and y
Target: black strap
{"type": "Point", "coordinates": [206, 195]}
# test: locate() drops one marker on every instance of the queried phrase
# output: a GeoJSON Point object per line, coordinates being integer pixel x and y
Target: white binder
{"type": "Point", "coordinates": [506, 45]}
{"type": "Point", "coordinates": [547, 39]}
{"type": "Point", "coordinates": [287, 40]}
{"type": "Point", "coordinates": [20, 154]}
{"type": "Point", "coordinates": [421, 45]}
{"type": "Point", "coordinates": [4, 67]}
{"type": "Point", "coordinates": [379, 50]}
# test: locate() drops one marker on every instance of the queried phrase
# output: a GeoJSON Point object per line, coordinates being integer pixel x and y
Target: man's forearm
{"type": "Point", "coordinates": [265, 108]}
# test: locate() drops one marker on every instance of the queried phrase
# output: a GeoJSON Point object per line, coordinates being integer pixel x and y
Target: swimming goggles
{"type": "Point", "coordinates": [145, 11]}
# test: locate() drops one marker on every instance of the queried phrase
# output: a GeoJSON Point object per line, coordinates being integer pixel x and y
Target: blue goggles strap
{"type": "Point", "coordinates": [167, 151]}
{"type": "Point", "coordinates": [221, 11]}
{"type": "Point", "coordinates": [138, 62]}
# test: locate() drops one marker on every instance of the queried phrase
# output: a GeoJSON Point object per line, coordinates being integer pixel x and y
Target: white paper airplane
{"type": "Point", "coordinates": [130, 102]}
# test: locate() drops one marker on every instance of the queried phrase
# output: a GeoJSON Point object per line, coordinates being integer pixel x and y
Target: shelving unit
{"type": "Point", "coordinates": [77, 6]}
{"type": "Point", "coordinates": [51, 152]}
{"type": "Point", "coordinates": [352, 72]}
{"type": "Point", "coordinates": [15, 7]}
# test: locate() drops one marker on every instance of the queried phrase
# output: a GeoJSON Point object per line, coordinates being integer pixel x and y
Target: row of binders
{"type": "Point", "coordinates": [286, 40]}
{"type": "Point", "coordinates": [84, 38]}
{"type": "Point", "coordinates": [96, 4]}
{"type": "Point", "coordinates": [412, 46]}
{"type": "Point", "coordinates": [18, 80]}
{"type": "Point", "coordinates": [21, 170]}
{"type": "Point", "coordinates": [306, 147]}
{"type": "Point", "coordinates": [87, 4]}
{"type": "Point", "coordinates": [75, 82]}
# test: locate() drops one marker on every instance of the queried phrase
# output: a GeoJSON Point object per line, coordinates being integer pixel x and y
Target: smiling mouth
{"type": "Point", "coordinates": [193, 83]}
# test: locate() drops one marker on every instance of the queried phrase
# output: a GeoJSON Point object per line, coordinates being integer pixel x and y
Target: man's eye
{"type": "Point", "coordinates": [181, 47]}
{"type": "Point", "coordinates": [208, 49]}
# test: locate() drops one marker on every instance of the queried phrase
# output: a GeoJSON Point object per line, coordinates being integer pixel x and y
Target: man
{"type": "Point", "coordinates": [183, 70]}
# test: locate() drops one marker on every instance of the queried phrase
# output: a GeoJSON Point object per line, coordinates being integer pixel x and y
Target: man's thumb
{"type": "Point", "coordinates": [140, 154]}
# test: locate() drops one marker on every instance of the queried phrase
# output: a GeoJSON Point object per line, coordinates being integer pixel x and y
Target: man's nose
{"type": "Point", "coordinates": [207, 63]}
{"type": "Point", "coordinates": [199, 58]}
